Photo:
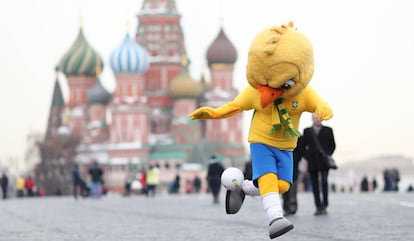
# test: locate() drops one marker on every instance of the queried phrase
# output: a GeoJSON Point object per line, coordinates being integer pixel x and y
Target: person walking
{"type": "Point", "coordinates": [175, 185]}
{"type": "Point", "coordinates": [364, 186]}
{"type": "Point", "coordinates": [197, 184]}
{"type": "Point", "coordinates": [214, 171]}
{"type": "Point", "coordinates": [77, 181]}
{"type": "Point", "coordinates": [153, 180]}
{"type": "Point", "coordinates": [4, 184]}
{"type": "Point", "coordinates": [143, 181]}
{"type": "Point", "coordinates": [20, 186]}
{"type": "Point", "coordinates": [290, 201]}
{"type": "Point", "coordinates": [96, 174]}
{"type": "Point", "coordinates": [29, 185]}
{"type": "Point", "coordinates": [317, 167]}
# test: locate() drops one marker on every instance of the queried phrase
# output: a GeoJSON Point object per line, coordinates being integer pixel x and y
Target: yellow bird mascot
{"type": "Point", "coordinates": [280, 66]}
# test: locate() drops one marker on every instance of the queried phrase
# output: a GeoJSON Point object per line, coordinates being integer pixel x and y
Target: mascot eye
{"type": "Point", "coordinates": [289, 84]}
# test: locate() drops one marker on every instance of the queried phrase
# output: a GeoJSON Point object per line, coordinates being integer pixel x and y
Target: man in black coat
{"type": "Point", "coordinates": [317, 167]}
{"type": "Point", "coordinates": [215, 169]}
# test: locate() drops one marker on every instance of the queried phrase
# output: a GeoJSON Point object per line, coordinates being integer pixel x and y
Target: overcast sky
{"type": "Point", "coordinates": [363, 59]}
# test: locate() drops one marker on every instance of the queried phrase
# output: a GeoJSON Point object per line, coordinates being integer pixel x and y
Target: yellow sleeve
{"type": "Point", "coordinates": [315, 104]}
{"type": "Point", "coordinates": [246, 98]}
{"type": "Point", "coordinates": [242, 102]}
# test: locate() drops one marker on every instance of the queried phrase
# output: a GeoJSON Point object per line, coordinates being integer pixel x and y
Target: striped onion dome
{"type": "Point", "coordinates": [221, 51]}
{"type": "Point", "coordinates": [98, 94]}
{"type": "Point", "coordinates": [81, 59]}
{"type": "Point", "coordinates": [129, 57]}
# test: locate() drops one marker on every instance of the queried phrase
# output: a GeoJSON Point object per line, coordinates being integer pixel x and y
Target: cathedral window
{"type": "Point", "coordinates": [141, 30]}
{"type": "Point", "coordinates": [167, 28]}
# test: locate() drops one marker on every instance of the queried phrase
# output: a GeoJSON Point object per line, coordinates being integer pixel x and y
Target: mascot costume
{"type": "Point", "coordinates": [280, 66]}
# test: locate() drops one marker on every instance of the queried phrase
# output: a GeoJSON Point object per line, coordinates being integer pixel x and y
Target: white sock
{"type": "Point", "coordinates": [249, 188]}
{"type": "Point", "coordinates": [272, 206]}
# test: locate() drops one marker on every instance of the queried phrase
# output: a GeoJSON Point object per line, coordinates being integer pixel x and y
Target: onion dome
{"type": "Point", "coordinates": [81, 59]}
{"type": "Point", "coordinates": [129, 57]}
{"type": "Point", "coordinates": [183, 85]}
{"type": "Point", "coordinates": [98, 94]}
{"type": "Point", "coordinates": [221, 51]}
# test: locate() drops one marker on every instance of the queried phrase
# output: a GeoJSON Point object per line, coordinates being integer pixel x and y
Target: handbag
{"type": "Point", "coordinates": [329, 161]}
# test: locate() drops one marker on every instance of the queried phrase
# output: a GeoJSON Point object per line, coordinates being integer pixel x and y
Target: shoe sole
{"type": "Point", "coordinates": [281, 232]}
{"type": "Point", "coordinates": [234, 201]}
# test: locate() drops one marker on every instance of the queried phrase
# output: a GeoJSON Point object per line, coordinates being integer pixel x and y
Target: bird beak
{"type": "Point", "coordinates": [268, 94]}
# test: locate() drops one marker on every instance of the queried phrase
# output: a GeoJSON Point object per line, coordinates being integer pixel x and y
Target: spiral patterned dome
{"type": "Point", "coordinates": [221, 51]}
{"type": "Point", "coordinates": [98, 94]}
{"type": "Point", "coordinates": [129, 57]}
{"type": "Point", "coordinates": [81, 59]}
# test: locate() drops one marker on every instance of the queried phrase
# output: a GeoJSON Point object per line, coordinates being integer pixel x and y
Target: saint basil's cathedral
{"type": "Point", "coordinates": [145, 120]}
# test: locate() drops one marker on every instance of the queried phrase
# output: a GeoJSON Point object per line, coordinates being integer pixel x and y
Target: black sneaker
{"type": "Point", "coordinates": [320, 211]}
{"type": "Point", "coordinates": [234, 201]}
{"type": "Point", "coordinates": [289, 213]}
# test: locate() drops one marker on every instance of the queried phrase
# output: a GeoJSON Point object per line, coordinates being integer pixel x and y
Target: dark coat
{"type": "Point", "coordinates": [311, 151]}
{"type": "Point", "coordinates": [215, 169]}
{"type": "Point", "coordinates": [4, 181]}
{"type": "Point", "coordinates": [297, 156]}
{"type": "Point", "coordinates": [96, 173]}
{"type": "Point", "coordinates": [76, 176]}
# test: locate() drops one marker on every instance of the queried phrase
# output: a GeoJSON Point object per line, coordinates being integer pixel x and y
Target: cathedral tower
{"type": "Point", "coordinates": [159, 31]}
{"type": "Point", "coordinates": [226, 134]}
{"type": "Point", "coordinates": [79, 66]}
{"type": "Point", "coordinates": [185, 92]}
{"type": "Point", "coordinates": [55, 112]}
{"type": "Point", "coordinates": [129, 107]}
{"type": "Point", "coordinates": [97, 129]}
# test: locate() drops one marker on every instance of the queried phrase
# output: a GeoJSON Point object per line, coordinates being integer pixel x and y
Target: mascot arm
{"type": "Point", "coordinates": [240, 103]}
{"type": "Point", "coordinates": [224, 111]}
{"type": "Point", "coordinates": [317, 105]}
{"type": "Point", "coordinates": [323, 111]}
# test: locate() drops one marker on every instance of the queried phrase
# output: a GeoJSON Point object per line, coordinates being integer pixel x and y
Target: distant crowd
{"type": "Point", "coordinates": [24, 187]}
{"type": "Point", "coordinates": [147, 182]}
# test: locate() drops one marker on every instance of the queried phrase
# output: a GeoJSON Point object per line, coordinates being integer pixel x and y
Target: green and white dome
{"type": "Point", "coordinates": [81, 59]}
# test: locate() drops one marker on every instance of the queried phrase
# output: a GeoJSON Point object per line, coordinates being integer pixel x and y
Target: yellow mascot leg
{"type": "Point", "coordinates": [269, 183]}
{"type": "Point", "coordinates": [270, 188]}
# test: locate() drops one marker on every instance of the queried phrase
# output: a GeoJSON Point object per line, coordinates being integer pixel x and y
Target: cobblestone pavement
{"type": "Point", "coordinates": [363, 217]}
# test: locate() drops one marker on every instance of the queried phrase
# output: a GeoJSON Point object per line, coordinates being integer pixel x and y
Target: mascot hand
{"type": "Point", "coordinates": [323, 112]}
{"type": "Point", "coordinates": [203, 113]}
{"type": "Point", "coordinates": [224, 111]}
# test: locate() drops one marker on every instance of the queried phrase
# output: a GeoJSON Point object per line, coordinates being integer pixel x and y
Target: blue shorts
{"type": "Point", "coordinates": [267, 159]}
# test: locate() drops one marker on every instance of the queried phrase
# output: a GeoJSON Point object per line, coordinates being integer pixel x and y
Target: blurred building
{"type": "Point", "coordinates": [145, 120]}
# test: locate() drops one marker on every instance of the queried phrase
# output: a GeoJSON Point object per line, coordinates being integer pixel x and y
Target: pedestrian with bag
{"type": "Point", "coordinates": [318, 143]}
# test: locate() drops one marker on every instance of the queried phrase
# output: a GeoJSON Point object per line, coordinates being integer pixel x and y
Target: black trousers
{"type": "Point", "coordinates": [290, 201]}
{"type": "Point", "coordinates": [319, 181]}
{"type": "Point", "coordinates": [214, 186]}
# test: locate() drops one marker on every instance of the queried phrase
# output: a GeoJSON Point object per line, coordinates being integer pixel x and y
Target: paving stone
{"type": "Point", "coordinates": [367, 217]}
